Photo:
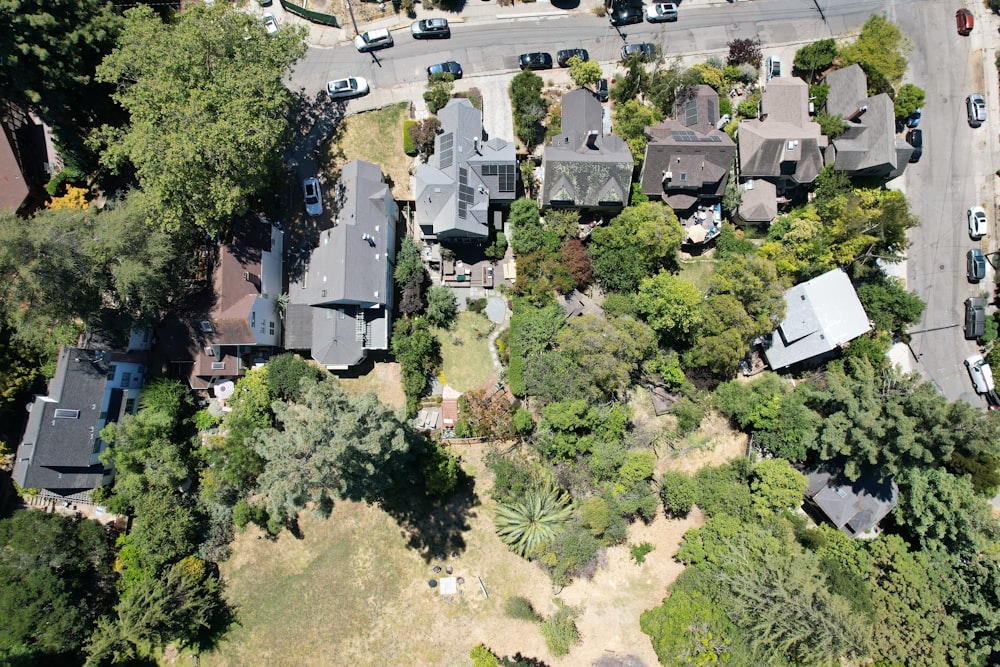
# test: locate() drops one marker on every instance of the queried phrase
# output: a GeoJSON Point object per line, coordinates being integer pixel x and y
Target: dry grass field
{"type": "Point", "coordinates": [377, 137]}
{"type": "Point", "coordinates": [465, 352]}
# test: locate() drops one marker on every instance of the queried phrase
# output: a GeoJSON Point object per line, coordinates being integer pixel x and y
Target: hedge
{"type": "Point", "coordinates": [409, 147]}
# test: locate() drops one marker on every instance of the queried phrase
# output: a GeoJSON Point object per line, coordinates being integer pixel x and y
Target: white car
{"type": "Point", "coordinates": [343, 89]}
{"type": "Point", "coordinates": [662, 11]}
{"type": "Point", "coordinates": [981, 374]}
{"type": "Point", "coordinates": [270, 24]}
{"type": "Point", "coordinates": [312, 196]}
{"type": "Point", "coordinates": [977, 222]}
{"type": "Point", "coordinates": [372, 40]}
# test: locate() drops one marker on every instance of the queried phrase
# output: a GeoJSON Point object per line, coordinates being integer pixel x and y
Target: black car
{"type": "Point", "coordinates": [562, 57]}
{"type": "Point", "coordinates": [916, 139]}
{"type": "Point", "coordinates": [536, 61]}
{"type": "Point", "coordinates": [450, 67]}
{"type": "Point", "coordinates": [601, 90]}
{"type": "Point", "coordinates": [626, 15]}
{"type": "Point", "coordinates": [644, 50]}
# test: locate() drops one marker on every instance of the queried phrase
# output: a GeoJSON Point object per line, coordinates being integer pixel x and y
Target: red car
{"type": "Point", "coordinates": [964, 21]}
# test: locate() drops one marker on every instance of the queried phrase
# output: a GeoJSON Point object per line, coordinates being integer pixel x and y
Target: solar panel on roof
{"type": "Point", "coordinates": [447, 150]}
{"type": "Point", "coordinates": [508, 178]}
{"type": "Point", "coordinates": [712, 111]}
{"type": "Point", "coordinates": [463, 176]}
{"type": "Point", "coordinates": [691, 112]}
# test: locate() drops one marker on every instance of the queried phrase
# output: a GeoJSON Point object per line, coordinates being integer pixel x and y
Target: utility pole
{"type": "Point", "coordinates": [350, 10]}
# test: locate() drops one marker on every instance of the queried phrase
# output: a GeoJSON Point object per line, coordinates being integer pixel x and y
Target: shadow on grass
{"type": "Point", "coordinates": [434, 528]}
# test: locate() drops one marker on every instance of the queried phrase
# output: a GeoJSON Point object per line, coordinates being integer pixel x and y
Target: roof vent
{"type": "Point", "coordinates": [246, 276]}
{"type": "Point", "coordinates": [857, 114]}
{"type": "Point", "coordinates": [206, 326]}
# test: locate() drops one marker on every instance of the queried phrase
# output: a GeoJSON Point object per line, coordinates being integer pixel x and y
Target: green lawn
{"type": "Point", "coordinates": [465, 352]}
{"type": "Point", "coordinates": [698, 271]}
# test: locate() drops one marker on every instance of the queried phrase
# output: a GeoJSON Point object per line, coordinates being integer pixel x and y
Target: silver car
{"type": "Point", "coordinates": [975, 106]}
{"type": "Point", "coordinates": [312, 196]}
{"type": "Point", "coordinates": [344, 89]}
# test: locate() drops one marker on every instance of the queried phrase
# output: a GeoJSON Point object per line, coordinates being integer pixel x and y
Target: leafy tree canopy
{"type": "Point", "coordinates": [908, 99]}
{"type": "Point", "coordinates": [671, 306]}
{"type": "Point", "coordinates": [881, 49]}
{"type": "Point", "coordinates": [816, 57]}
{"type": "Point", "coordinates": [637, 243]}
{"type": "Point", "coordinates": [584, 73]}
{"type": "Point", "coordinates": [208, 112]}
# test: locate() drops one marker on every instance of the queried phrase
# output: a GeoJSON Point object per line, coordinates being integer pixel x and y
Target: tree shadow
{"type": "Point", "coordinates": [565, 4]}
{"type": "Point", "coordinates": [433, 527]}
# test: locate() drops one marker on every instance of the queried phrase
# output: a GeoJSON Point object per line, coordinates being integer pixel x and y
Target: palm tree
{"type": "Point", "coordinates": [524, 525]}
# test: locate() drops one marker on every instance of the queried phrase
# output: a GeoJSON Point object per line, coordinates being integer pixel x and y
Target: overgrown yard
{"type": "Point", "coordinates": [465, 352]}
{"type": "Point", "coordinates": [377, 137]}
{"type": "Point", "coordinates": [351, 592]}
{"type": "Point", "coordinates": [698, 271]}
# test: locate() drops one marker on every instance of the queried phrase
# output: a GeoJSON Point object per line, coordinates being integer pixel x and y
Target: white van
{"type": "Point", "coordinates": [373, 39]}
{"type": "Point", "coordinates": [981, 374]}
{"type": "Point", "coordinates": [772, 67]}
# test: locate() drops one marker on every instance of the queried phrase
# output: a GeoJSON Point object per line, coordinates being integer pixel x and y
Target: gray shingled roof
{"type": "Point", "coordinates": [691, 150]}
{"type": "Point", "coordinates": [348, 275]}
{"type": "Point", "coordinates": [868, 146]}
{"type": "Point", "coordinates": [853, 507]}
{"type": "Point", "coordinates": [759, 202]}
{"type": "Point", "coordinates": [64, 426]}
{"type": "Point", "coordinates": [583, 167]}
{"type": "Point", "coordinates": [820, 315]}
{"type": "Point", "coordinates": [465, 174]}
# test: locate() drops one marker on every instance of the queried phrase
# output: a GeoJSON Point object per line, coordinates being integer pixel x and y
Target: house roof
{"type": "Point", "coordinates": [869, 144]}
{"type": "Point", "coordinates": [784, 141]}
{"type": "Point", "coordinates": [820, 315]}
{"type": "Point", "coordinates": [689, 149]}
{"type": "Point", "coordinates": [236, 279]}
{"type": "Point", "coordinates": [465, 174]}
{"type": "Point", "coordinates": [583, 166]}
{"type": "Point", "coordinates": [64, 426]}
{"type": "Point", "coordinates": [13, 188]}
{"type": "Point", "coordinates": [348, 276]}
{"type": "Point", "coordinates": [853, 507]}
{"type": "Point", "coordinates": [758, 200]}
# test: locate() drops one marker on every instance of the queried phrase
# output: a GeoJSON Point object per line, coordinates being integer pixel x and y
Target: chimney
{"type": "Point", "coordinates": [475, 146]}
{"type": "Point", "coordinates": [592, 140]}
{"type": "Point", "coordinates": [857, 114]}
{"type": "Point", "coordinates": [666, 177]}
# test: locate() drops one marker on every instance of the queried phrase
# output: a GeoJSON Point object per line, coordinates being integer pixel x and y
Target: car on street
{"type": "Point", "coordinates": [661, 11]}
{"type": "Point", "coordinates": [430, 29]}
{"type": "Point", "coordinates": [535, 60]}
{"type": "Point", "coordinates": [450, 67]}
{"type": "Point", "coordinates": [644, 50]}
{"type": "Point", "coordinates": [625, 15]}
{"type": "Point", "coordinates": [916, 139]}
{"type": "Point", "coordinates": [977, 222]}
{"type": "Point", "coordinates": [562, 57]}
{"type": "Point", "coordinates": [601, 90]}
{"type": "Point", "coordinates": [913, 119]}
{"type": "Point", "coordinates": [373, 40]}
{"type": "Point", "coordinates": [311, 195]}
{"type": "Point", "coordinates": [975, 106]}
{"type": "Point", "coordinates": [975, 317]}
{"type": "Point", "coordinates": [345, 89]}
{"type": "Point", "coordinates": [975, 265]}
{"type": "Point", "coordinates": [981, 374]}
{"type": "Point", "coordinates": [270, 24]}
{"type": "Point", "coordinates": [964, 21]}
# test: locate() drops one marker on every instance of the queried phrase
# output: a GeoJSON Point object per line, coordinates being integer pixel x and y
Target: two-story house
{"type": "Point", "coordinates": [463, 188]}
{"type": "Point", "coordinates": [583, 167]}
{"type": "Point", "coordinates": [340, 298]}
{"type": "Point", "coordinates": [61, 448]}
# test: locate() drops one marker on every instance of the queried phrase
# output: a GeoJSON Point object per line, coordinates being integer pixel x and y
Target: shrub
{"type": "Point", "coordinates": [816, 57]}
{"type": "Point", "coordinates": [678, 492]}
{"type": "Point", "coordinates": [730, 243]}
{"type": "Point", "coordinates": [438, 92]}
{"type": "Point", "coordinates": [751, 107]}
{"type": "Point", "coordinates": [744, 50]}
{"type": "Point", "coordinates": [409, 147]}
{"type": "Point", "coordinates": [524, 423]}
{"type": "Point", "coordinates": [498, 248]}
{"type": "Point", "coordinates": [67, 176]}
{"type": "Point", "coordinates": [439, 470]}
{"type": "Point", "coordinates": [476, 305]}
{"type": "Point", "coordinates": [639, 552]}
{"type": "Point", "coordinates": [521, 609]}
{"type": "Point", "coordinates": [559, 631]}
{"type": "Point", "coordinates": [423, 134]}
{"type": "Point", "coordinates": [689, 415]}
{"type": "Point", "coordinates": [204, 420]}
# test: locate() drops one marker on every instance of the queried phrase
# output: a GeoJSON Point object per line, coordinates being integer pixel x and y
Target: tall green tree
{"type": "Point", "coordinates": [418, 353]}
{"type": "Point", "coordinates": [528, 106]}
{"type": "Point", "coordinates": [57, 579]}
{"type": "Point", "coordinates": [637, 243]}
{"type": "Point", "coordinates": [330, 446]}
{"type": "Point", "coordinates": [671, 307]}
{"type": "Point", "coordinates": [881, 49]}
{"type": "Point", "coordinates": [47, 62]}
{"type": "Point", "coordinates": [208, 112]}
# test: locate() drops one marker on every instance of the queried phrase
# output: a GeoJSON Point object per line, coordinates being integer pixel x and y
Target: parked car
{"type": "Point", "coordinates": [625, 15]}
{"type": "Point", "coordinates": [975, 317]}
{"type": "Point", "coordinates": [981, 374]}
{"type": "Point", "coordinates": [916, 139]}
{"type": "Point", "coordinates": [772, 67]}
{"type": "Point", "coordinates": [601, 90]}
{"type": "Point", "coordinates": [312, 196]}
{"type": "Point", "coordinates": [914, 118]}
{"type": "Point", "coordinates": [661, 11]}
{"type": "Point", "coordinates": [975, 265]}
{"type": "Point", "coordinates": [975, 106]}
{"type": "Point", "coordinates": [345, 89]}
{"type": "Point", "coordinates": [265, 3]}
{"type": "Point", "coordinates": [373, 40]}
{"type": "Point", "coordinates": [270, 24]}
{"type": "Point", "coordinates": [977, 222]}
{"type": "Point", "coordinates": [450, 67]}
{"type": "Point", "coordinates": [535, 60]}
{"type": "Point", "coordinates": [430, 29]}
{"type": "Point", "coordinates": [964, 21]}
{"type": "Point", "coordinates": [562, 57]}
{"type": "Point", "coordinates": [644, 50]}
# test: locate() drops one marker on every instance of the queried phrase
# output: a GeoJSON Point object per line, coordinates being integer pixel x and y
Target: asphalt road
{"type": "Point", "coordinates": [955, 172]}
